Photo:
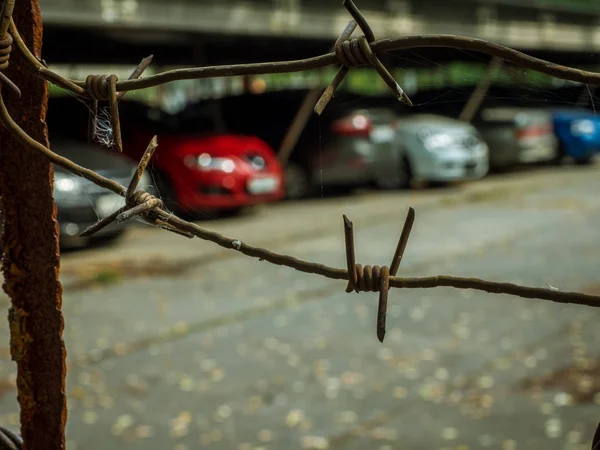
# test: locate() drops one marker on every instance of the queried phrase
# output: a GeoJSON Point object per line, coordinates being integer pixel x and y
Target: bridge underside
{"type": "Point", "coordinates": [100, 46]}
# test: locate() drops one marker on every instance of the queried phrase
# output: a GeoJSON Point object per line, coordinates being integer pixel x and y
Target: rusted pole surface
{"type": "Point", "coordinates": [481, 90]}
{"type": "Point", "coordinates": [31, 254]}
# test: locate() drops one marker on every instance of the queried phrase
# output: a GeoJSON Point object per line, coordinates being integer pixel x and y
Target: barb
{"type": "Point", "coordinates": [103, 87]}
{"type": "Point", "coordinates": [138, 202]}
{"type": "Point", "coordinates": [355, 53]}
{"type": "Point", "coordinates": [375, 278]}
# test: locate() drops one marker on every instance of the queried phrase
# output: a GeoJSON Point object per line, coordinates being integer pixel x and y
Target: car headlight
{"type": "Point", "coordinates": [582, 127]}
{"type": "Point", "coordinates": [65, 185]}
{"type": "Point", "coordinates": [521, 119]}
{"type": "Point", "coordinates": [435, 142]}
{"type": "Point", "coordinates": [208, 162]}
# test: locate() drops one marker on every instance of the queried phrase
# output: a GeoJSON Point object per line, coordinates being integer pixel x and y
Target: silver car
{"type": "Point", "coordinates": [440, 149]}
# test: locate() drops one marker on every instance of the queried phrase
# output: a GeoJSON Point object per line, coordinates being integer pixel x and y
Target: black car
{"type": "Point", "coordinates": [80, 202]}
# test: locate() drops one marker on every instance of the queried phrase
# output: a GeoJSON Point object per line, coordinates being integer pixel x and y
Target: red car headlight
{"type": "Point", "coordinates": [206, 162]}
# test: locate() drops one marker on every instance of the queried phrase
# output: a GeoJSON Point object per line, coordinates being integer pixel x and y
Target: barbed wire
{"type": "Point", "coordinates": [349, 53]}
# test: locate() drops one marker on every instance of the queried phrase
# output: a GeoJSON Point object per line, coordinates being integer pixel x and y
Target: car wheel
{"type": "Point", "coordinates": [559, 157]}
{"type": "Point", "coordinates": [584, 161]}
{"type": "Point", "coordinates": [110, 239]}
{"type": "Point", "coordinates": [390, 179]}
{"type": "Point", "coordinates": [297, 181]}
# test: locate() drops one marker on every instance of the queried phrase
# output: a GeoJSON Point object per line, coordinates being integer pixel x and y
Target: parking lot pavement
{"type": "Point", "coordinates": [240, 354]}
{"type": "Point", "coordinates": [294, 221]}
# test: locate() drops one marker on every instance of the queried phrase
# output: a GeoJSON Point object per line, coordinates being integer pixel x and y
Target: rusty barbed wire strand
{"type": "Point", "coordinates": [173, 223]}
{"type": "Point", "coordinates": [38, 67]}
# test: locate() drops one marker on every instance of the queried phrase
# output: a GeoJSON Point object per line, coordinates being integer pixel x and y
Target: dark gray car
{"type": "Point", "coordinates": [81, 203]}
{"type": "Point", "coordinates": [357, 147]}
{"type": "Point", "coordinates": [517, 135]}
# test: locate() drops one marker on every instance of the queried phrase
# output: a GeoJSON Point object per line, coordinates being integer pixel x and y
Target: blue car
{"type": "Point", "coordinates": [578, 132]}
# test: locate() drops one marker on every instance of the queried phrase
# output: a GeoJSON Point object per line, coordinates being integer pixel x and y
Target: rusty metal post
{"type": "Point", "coordinates": [481, 90]}
{"type": "Point", "coordinates": [31, 253]}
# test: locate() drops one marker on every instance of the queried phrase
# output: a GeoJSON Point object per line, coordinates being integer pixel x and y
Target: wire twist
{"type": "Point", "coordinates": [355, 53]}
{"type": "Point", "coordinates": [10, 440]}
{"type": "Point", "coordinates": [138, 202]}
{"type": "Point", "coordinates": [97, 87]}
{"type": "Point", "coordinates": [375, 278]}
{"type": "Point", "coordinates": [104, 88]}
{"type": "Point", "coordinates": [5, 52]}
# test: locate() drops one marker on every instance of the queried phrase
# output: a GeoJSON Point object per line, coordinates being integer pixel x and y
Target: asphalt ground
{"type": "Point", "coordinates": [177, 344]}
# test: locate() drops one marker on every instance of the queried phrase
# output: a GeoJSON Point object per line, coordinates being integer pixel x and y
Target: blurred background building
{"type": "Point", "coordinates": [86, 34]}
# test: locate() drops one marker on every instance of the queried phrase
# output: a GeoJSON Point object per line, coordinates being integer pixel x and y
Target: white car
{"type": "Point", "coordinates": [440, 149]}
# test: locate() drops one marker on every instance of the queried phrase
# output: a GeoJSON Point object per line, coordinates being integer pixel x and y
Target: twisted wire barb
{"type": "Point", "coordinates": [104, 88]}
{"type": "Point", "coordinates": [375, 278]}
{"type": "Point", "coordinates": [356, 53]}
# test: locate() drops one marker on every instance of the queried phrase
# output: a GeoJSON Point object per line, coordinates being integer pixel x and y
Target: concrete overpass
{"type": "Point", "coordinates": [220, 31]}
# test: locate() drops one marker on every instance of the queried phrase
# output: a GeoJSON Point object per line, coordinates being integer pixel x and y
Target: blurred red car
{"type": "Point", "coordinates": [199, 167]}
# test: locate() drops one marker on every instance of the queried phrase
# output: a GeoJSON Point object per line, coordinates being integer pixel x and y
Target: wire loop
{"type": "Point", "coordinates": [104, 88]}
{"type": "Point", "coordinates": [97, 87]}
